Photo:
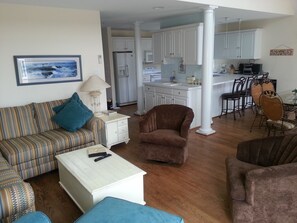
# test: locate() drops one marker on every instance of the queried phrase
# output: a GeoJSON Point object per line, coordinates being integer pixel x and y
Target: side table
{"type": "Point", "coordinates": [115, 129]}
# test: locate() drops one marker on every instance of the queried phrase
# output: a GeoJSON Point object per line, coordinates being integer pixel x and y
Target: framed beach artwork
{"type": "Point", "coordinates": [47, 69]}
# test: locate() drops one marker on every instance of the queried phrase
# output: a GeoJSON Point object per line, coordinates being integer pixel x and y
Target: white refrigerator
{"type": "Point", "coordinates": [125, 78]}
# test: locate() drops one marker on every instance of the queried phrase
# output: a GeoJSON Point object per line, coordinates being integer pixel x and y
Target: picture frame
{"type": "Point", "coordinates": [31, 70]}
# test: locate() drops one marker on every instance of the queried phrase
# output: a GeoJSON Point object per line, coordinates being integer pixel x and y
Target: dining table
{"type": "Point", "coordinates": [289, 99]}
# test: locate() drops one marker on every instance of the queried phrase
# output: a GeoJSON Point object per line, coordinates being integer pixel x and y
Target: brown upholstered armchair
{"type": "Point", "coordinates": [164, 133]}
{"type": "Point", "coordinates": [262, 180]}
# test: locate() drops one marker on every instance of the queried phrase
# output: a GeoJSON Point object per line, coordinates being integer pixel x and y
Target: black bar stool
{"type": "Point", "coordinates": [234, 96]}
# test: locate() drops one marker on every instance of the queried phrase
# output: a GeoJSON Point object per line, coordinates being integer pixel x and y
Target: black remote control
{"type": "Point", "coordinates": [102, 157]}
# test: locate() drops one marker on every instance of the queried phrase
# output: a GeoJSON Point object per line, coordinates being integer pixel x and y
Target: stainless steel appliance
{"type": "Point", "coordinates": [125, 77]}
{"type": "Point", "coordinates": [250, 68]}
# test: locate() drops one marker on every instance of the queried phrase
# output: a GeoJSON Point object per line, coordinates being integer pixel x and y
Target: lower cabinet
{"type": "Point", "coordinates": [114, 129]}
{"type": "Point", "coordinates": [191, 97]}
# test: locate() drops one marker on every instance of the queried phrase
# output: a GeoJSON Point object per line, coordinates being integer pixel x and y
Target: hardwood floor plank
{"type": "Point", "coordinates": [195, 190]}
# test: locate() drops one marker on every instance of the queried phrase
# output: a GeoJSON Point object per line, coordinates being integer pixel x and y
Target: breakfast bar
{"type": "Point", "coordinates": [157, 93]}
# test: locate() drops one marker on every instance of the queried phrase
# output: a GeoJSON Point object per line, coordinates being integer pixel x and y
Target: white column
{"type": "Point", "coordinates": [139, 68]}
{"type": "Point", "coordinates": [207, 71]}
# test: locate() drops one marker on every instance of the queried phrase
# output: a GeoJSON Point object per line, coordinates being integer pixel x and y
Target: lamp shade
{"type": "Point", "coordinates": [94, 83]}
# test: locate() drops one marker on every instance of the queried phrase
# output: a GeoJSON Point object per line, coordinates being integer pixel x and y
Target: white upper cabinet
{"type": "Point", "coordinates": [182, 41]}
{"type": "Point", "coordinates": [146, 44]}
{"type": "Point", "coordinates": [245, 44]}
{"type": "Point", "coordinates": [173, 43]}
{"type": "Point", "coordinates": [123, 43]}
{"type": "Point", "coordinates": [193, 45]}
{"type": "Point", "coordinates": [158, 44]}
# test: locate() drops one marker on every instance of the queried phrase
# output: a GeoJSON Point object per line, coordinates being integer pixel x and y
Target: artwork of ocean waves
{"type": "Point", "coordinates": [51, 70]}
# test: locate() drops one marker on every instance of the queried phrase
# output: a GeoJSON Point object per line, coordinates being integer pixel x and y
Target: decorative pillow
{"type": "Point", "coordinates": [74, 97]}
{"type": "Point", "coordinates": [73, 116]}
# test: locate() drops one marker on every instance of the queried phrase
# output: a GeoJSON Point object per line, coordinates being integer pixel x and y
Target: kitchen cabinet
{"type": "Point", "coordinates": [193, 45]}
{"type": "Point", "coordinates": [182, 41]}
{"type": "Point", "coordinates": [127, 44]}
{"type": "Point", "coordinates": [146, 44]}
{"type": "Point", "coordinates": [123, 43]}
{"type": "Point", "coordinates": [156, 94]}
{"type": "Point", "coordinates": [158, 44]}
{"type": "Point", "coordinates": [245, 44]}
{"type": "Point", "coordinates": [114, 129]}
{"type": "Point", "coordinates": [173, 43]}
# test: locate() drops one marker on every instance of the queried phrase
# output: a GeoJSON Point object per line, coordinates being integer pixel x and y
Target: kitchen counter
{"type": "Point", "coordinates": [188, 94]}
{"type": "Point", "coordinates": [226, 78]}
{"type": "Point", "coordinates": [178, 85]}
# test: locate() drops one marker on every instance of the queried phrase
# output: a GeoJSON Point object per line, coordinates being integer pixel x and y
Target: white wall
{"type": "Point", "coordinates": [30, 30]}
{"type": "Point", "coordinates": [280, 33]}
{"type": "Point", "coordinates": [277, 33]}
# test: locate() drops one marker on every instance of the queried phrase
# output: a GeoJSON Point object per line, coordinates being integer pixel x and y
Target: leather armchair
{"type": "Point", "coordinates": [164, 133]}
{"type": "Point", "coordinates": [262, 180]}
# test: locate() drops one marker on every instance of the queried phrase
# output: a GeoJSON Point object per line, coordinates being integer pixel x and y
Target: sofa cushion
{"type": "Point", "coordinates": [64, 139]}
{"type": "Point", "coordinates": [73, 116]}
{"type": "Point", "coordinates": [236, 173]}
{"type": "Point", "coordinates": [17, 121]}
{"type": "Point", "coordinates": [23, 149]}
{"type": "Point", "coordinates": [166, 137]}
{"type": "Point", "coordinates": [44, 113]}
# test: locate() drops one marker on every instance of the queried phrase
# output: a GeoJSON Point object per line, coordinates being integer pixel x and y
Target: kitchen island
{"type": "Point", "coordinates": [157, 93]}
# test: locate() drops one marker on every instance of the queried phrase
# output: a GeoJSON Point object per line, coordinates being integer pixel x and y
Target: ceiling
{"type": "Point", "coordinates": [122, 14]}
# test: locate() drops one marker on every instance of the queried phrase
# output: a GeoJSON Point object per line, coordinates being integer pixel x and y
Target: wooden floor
{"type": "Point", "coordinates": [196, 190]}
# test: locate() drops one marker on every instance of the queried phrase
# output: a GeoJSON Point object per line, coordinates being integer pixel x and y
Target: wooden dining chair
{"type": "Point", "coordinates": [267, 85]}
{"type": "Point", "coordinates": [273, 109]}
{"type": "Point", "coordinates": [256, 91]}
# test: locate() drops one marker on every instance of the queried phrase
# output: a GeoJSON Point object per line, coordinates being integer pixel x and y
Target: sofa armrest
{"type": "Point", "coordinates": [259, 151]}
{"type": "Point", "coordinates": [94, 124]}
{"type": "Point", "coordinates": [272, 185]}
{"type": "Point", "coordinates": [148, 122]}
{"type": "Point", "coordinates": [16, 199]}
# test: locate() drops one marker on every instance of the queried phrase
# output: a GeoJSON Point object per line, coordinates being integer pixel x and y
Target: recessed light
{"type": "Point", "coordinates": [158, 7]}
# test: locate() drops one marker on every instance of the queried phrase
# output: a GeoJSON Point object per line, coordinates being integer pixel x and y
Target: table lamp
{"type": "Point", "coordinates": [94, 85]}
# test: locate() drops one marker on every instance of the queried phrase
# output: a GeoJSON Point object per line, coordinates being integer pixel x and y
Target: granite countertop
{"type": "Point", "coordinates": [217, 80]}
{"type": "Point", "coordinates": [179, 85]}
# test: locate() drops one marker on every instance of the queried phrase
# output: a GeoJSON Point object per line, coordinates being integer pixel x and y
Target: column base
{"type": "Point", "coordinates": [205, 131]}
{"type": "Point", "coordinates": [139, 113]}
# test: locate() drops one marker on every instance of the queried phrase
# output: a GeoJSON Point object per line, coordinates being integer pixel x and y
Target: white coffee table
{"type": "Point", "coordinates": [87, 182]}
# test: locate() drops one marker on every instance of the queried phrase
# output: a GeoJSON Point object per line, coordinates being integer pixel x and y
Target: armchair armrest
{"type": "Point", "coordinates": [259, 151]}
{"type": "Point", "coordinates": [15, 199]}
{"type": "Point", "coordinates": [184, 130]}
{"type": "Point", "coordinates": [271, 185]}
{"type": "Point", "coordinates": [148, 122]}
{"type": "Point", "coordinates": [94, 124]}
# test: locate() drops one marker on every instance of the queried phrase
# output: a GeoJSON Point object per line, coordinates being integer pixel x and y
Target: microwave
{"type": "Point", "coordinates": [148, 56]}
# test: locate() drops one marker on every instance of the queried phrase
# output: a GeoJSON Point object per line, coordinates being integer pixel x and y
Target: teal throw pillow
{"type": "Point", "coordinates": [73, 116]}
{"type": "Point", "coordinates": [74, 97]}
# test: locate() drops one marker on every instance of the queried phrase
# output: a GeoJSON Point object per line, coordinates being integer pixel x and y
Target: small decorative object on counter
{"type": "Point", "coordinates": [231, 69]}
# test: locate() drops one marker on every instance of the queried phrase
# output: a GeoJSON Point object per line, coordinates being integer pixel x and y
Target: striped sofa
{"type": "Point", "coordinates": [29, 142]}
